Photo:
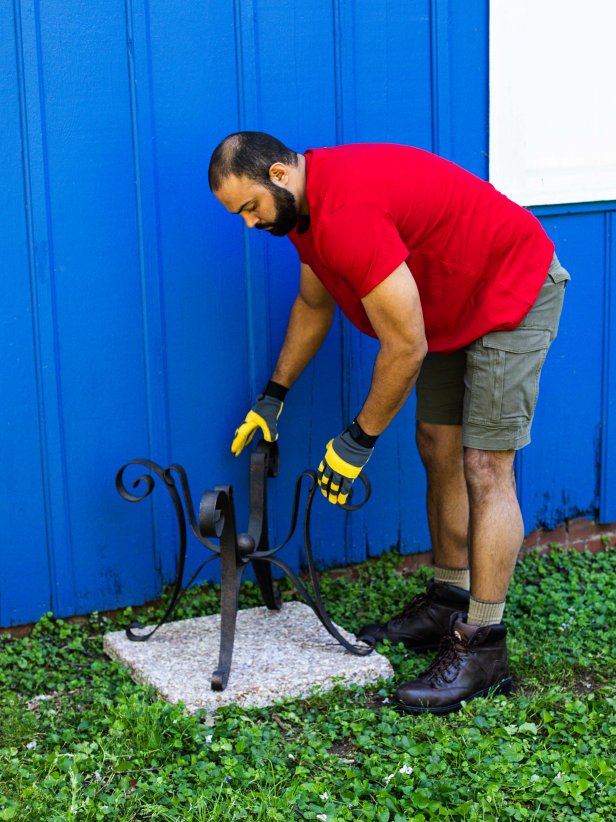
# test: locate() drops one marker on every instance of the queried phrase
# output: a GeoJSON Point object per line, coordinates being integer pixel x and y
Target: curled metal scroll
{"type": "Point", "coordinates": [165, 474]}
{"type": "Point", "coordinates": [216, 520]}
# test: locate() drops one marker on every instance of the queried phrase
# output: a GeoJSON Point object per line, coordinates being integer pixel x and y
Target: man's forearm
{"type": "Point", "coordinates": [306, 331]}
{"type": "Point", "coordinates": [395, 373]}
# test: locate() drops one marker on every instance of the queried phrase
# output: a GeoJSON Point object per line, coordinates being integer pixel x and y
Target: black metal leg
{"type": "Point", "coordinates": [263, 464]}
{"type": "Point", "coordinates": [217, 515]}
{"type": "Point", "coordinates": [231, 578]}
{"type": "Point", "coordinates": [263, 573]}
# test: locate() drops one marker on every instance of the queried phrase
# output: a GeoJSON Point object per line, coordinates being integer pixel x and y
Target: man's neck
{"type": "Point", "coordinates": [302, 199]}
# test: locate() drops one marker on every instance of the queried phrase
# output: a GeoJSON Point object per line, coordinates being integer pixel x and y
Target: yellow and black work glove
{"type": "Point", "coordinates": [344, 459]}
{"type": "Point", "coordinates": [264, 415]}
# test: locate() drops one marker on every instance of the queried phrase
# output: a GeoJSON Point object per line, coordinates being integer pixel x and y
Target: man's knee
{"type": "Point", "coordinates": [439, 445]}
{"type": "Point", "coordinates": [487, 470]}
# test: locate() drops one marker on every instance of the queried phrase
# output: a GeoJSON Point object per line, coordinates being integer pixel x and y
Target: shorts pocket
{"type": "Point", "coordinates": [557, 273]}
{"type": "Point", "coordinates": [502, 379]}
{"type": "Point", "coordinates": [518, 341]}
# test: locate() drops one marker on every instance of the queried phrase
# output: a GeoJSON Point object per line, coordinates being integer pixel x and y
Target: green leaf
{"type": "Point", "coordinates": [481, 721]}
{"type": "Point", "coordinates": [512, 753]}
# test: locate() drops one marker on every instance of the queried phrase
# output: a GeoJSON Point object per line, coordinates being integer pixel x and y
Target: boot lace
{"type": "Point", "coordinates": [414, 605]}
{"type": "Point", "coordinates": [444, 669]}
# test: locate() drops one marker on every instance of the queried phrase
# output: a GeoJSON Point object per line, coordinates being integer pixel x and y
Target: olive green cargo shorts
{"type": "Point", "coordinates": [490, 387]}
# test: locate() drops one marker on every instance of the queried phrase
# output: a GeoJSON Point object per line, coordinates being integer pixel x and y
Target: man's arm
{"type": "Point", "coordinates": [310, 320]}
{"type": "Point", "coordinates": [394, 309]}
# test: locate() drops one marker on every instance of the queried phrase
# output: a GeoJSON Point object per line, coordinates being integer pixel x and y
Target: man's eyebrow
{"type": "Point", "coordinates": [241, 208]}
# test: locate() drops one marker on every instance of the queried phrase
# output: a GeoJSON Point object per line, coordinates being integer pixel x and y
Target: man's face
{"type": "Point", "coordinates": [265, 206]}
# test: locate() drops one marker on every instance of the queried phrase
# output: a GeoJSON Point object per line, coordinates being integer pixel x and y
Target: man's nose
{"type": "Point", "coordinates": [251, 220]}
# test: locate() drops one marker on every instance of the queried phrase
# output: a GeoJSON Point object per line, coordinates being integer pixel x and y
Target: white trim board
{"type": "Point", "coordinates": [553, 100]}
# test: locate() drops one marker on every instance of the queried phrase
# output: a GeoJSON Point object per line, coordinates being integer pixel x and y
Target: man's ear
{"type": "Point", "coordinates": [279, 173]}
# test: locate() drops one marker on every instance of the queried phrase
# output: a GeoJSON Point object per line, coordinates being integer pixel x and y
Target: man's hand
{"type": "Point", "coordinates": [264, 415]}
{"type": "Point", "coordinates": [343, 461]}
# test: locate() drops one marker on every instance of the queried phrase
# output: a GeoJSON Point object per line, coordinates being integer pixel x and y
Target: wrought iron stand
{"type": "Point", "coordinates": [217, 521]}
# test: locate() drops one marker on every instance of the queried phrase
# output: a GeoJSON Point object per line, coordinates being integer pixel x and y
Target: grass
{"type": "Point", "coordinates": [80, 741]}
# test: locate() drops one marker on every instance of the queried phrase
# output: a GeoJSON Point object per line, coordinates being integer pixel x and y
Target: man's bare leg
{"type": "Point", "coordinates": [473, 661]}
{"type": "Point", "coordinates": [425, 621]}
{"type": "Point", "coordinates": [496, 526]}
{"type": "Point", "coordinates": [440, 448]}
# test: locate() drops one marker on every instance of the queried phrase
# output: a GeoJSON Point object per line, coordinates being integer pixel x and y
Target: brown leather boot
{"type": "Point", "coordinates": [472, 661]}
{"type": "Point", "coordinates": [422, 624]}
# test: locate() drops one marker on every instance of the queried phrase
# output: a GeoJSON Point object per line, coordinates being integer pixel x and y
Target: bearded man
{"type": "Point", "coordinates": [464, 292]}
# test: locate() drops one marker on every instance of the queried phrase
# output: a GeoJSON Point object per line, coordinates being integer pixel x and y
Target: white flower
{"type": "Point", "coordinates": [208, 739]}
{"type": "Point", "coordinates": [322, 817]}
{"type": "Point", "coordinates": [31, 745]}
{"type": "Point", "coordinates": [324, 796]}
{"type": "Point", "coordinates": [386, 700]}
{"type": "Point", "coordinates": [402, 769]}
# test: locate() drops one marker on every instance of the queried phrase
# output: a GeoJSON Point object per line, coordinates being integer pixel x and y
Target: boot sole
{"type": "Point", "coordinates": [503, 687]}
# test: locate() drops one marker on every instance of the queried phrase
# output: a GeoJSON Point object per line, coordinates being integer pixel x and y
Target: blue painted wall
{"type": "Point", "coordinates": [138, 319]}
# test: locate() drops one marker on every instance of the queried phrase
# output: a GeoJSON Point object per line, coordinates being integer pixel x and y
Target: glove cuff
{"type": "Point", "coordinates": [359, 435]}
{"type": "Point", "coordinates": [275, 390]}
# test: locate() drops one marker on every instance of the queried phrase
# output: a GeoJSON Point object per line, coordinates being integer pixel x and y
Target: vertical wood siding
{"type": "Point", "coordinates": [139, 319]}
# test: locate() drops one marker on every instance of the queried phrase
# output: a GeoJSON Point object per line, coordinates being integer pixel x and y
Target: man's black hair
{"type": "Point", "coordinates": [248, 154]}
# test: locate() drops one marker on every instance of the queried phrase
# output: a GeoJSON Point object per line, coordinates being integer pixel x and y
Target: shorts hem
{"type": "Point", "coordinates": [495, 441]}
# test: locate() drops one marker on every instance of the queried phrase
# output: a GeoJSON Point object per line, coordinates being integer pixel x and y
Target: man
{"type": "Point", "coordinates": [464, 292]}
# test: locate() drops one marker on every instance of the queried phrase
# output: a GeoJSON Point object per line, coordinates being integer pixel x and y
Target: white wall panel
{"type": "Point", "coordinates": [553, 100]}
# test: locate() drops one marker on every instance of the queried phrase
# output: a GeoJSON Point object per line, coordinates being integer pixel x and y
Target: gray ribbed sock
{"type": "Point", "coordinates": [460, 577]}
{"type": "Point", "coordinates": [484, 613]}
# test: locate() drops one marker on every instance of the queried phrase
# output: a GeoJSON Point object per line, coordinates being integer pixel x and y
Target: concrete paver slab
{"type": "Point", "coordinates": [277, 655]}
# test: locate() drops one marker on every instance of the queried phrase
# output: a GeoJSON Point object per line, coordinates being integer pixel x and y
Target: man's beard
{"type": "Point", "coordinates": [286, 212]}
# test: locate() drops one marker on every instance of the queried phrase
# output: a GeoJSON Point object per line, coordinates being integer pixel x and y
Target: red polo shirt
{"type": "Point", "coordinates": [479, 260]}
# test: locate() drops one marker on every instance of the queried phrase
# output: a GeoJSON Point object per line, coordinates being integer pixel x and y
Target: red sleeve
{"type": "Point", "coordinates": [362, 245]}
